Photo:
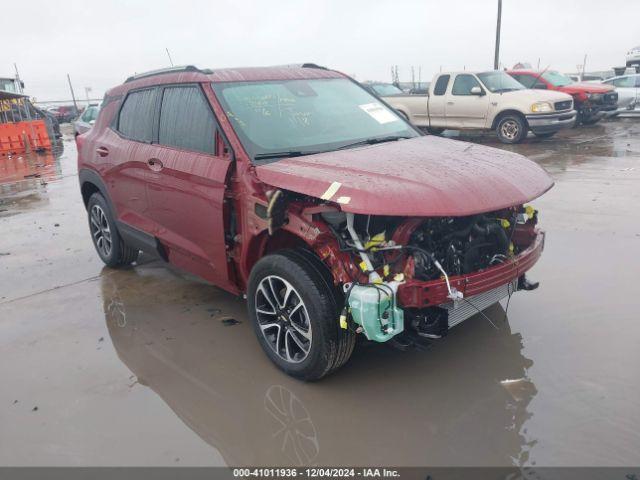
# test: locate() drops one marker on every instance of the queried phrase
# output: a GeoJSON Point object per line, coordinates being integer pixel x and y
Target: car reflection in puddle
{"type": "Point", "coordinates": [462, 402]}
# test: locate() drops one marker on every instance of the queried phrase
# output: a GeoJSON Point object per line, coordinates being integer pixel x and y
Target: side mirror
{"type": "Point", "coordinates": [91, 122]}
{"type": "Point", "coordinates": [476, 91]}
{"type": "Point", "coordinates": [540, 86]}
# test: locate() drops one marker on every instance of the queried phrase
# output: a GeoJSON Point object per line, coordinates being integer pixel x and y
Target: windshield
{"type": "Point", "coordinates": [306, 115]}
{"type": "Point", "coordinates": [557, 79]}
{"type": "Point", "coordinates": [498, 82]}
{"type": "Point", "coordinates": [384, 89]}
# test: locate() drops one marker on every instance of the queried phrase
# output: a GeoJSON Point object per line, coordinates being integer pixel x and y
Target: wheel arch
{"type": "Point", "coordinates": [265, 244]}
{"type": "Point", "coordinates": [90, 183]}
{"type": "Point", "coordinates": [504, 113]}
{"type": "Point", "coordinates": [402, 112]}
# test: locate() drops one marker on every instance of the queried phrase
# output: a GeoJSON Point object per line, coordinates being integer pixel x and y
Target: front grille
{"type": "Point", "coordinates": [566, 105]}
{"type": "Point", "coordinates": [611, 97]}
{"type": "Point", "coordinates": [469, 307]}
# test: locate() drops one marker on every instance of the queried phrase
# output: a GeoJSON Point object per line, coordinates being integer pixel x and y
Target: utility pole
{"type": "Point", "coordinates": [169, 55]}
{"type": "Point", "coordinates": [584, 65]}
{"type": "Point", "coordinates": [75, 105]}
{"type": "Point", "coordinates": [496, 59]}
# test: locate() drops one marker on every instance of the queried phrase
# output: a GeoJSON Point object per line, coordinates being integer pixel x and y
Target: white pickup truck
{"type": "Point", "coordinates": [489, 100]}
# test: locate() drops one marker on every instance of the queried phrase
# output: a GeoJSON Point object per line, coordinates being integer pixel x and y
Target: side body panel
{"type": "Point", "coordinates": [437, 105]}
{"type": "Point", "coordinates": [466, 111]}
{"type": "Point", "coordinates": [122, 165]}
{"type": "Point", "coordinates": [415, 107]}
{"type": "Point", "coordinates": [186, 207]}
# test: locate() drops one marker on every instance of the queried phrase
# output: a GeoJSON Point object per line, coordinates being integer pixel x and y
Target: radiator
{"type": "Point", "coordinates": [466, 309]}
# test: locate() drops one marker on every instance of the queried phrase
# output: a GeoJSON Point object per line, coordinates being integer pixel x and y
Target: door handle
{"type": "Point", "coordinates": [102, 151]}
{"type": "Point", "coordinates": [449, 103]}
{"type": "Point", "coordinates": [155, 164]}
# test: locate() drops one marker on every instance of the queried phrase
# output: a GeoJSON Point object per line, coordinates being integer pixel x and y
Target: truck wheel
{"type": "Point", "coordinates": [511, 128]}
{"type": "Point", "coordinates": [108, 243]}
{"type": "Point", "coordinates": [294, 309]}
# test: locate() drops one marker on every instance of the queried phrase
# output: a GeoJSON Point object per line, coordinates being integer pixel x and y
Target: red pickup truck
{"type": "Point", "coordinates": [591, 100]}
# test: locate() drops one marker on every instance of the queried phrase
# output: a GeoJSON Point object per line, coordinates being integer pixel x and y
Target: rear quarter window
{"type": "Point", "coordinates": [136, 115]}
{"type": "Point", "coordinates": [441, 85]}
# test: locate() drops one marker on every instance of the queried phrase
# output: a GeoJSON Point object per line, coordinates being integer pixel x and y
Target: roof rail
{"type": "Point", "coordinates": [162, 71]}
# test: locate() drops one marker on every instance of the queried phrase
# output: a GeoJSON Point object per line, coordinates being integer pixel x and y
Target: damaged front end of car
{"type": "Point", "coordinates": [405, 277]}
{"type": "Point", "coordinates": [419, 234]}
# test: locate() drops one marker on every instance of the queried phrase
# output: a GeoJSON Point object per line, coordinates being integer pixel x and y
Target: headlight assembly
{"type": "Point", "coordinates": [541, 107]}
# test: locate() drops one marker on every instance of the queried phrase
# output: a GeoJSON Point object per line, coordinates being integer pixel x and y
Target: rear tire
{"type": "Point", "coordinates": [299, 330]}
{"type": "Point", "coordinates": [511, 128]}
{"type": "Point", "coordinates": [106, 239]}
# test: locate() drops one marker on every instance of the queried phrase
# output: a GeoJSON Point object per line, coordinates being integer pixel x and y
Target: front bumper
{"type": "Point", "coordinates": [551, 122]}
{"type": "Point", "coordinates": [432, 293]}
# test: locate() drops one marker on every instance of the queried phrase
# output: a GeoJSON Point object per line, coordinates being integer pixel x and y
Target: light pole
{"type": "Point", "coordinates": [496, 59]}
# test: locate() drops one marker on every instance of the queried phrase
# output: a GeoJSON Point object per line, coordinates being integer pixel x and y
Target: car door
{"type": "Point", "coordinates": [188, 169]}
{"type": "Point", "coordinates": [122, 152]}
{"type": "Point", "coordinates": [465, 109]}
{"type": "Point", "coordinates": [438, 102]}
{"type": "Point", "coordinates": [627, 87]}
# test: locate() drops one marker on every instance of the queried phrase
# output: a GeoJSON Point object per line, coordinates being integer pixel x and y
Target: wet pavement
{"type": "Point", "coordinates": [143, 366]}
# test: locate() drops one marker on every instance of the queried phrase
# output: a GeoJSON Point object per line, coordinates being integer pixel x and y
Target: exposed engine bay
{"type": "Point", "coordinates": [459, 244]}
{"type": "Point", "coordinates": [389, 251]}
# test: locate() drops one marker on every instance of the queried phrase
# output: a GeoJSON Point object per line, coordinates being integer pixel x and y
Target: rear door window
{"type": "Point", "coordinates": [441, 85]}
{"type": "Point", "coordinates": [186, 120]}
{"type": "Point", "coordinates": [136, 115]}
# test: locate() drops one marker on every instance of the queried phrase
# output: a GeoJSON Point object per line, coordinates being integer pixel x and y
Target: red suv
{"type": "Point", "coordinates": [591, 100]}
{"type": "Point", "coordinates": [297, 188]}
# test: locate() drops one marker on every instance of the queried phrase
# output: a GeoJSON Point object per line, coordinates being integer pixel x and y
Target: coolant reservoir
{"type": "Point", "coordinates": [374, 309]}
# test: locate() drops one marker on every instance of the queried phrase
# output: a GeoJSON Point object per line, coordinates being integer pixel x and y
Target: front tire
{"type": "Point", "coordinates": [106, 239]}
{"type": "Point", "coordinates": [511, 128]}
{"type": "Point", "coordinates": [294, 309]}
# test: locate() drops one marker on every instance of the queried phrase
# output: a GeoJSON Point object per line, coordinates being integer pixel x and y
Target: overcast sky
{"type": "Point", "coordinates": [100, 43]}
